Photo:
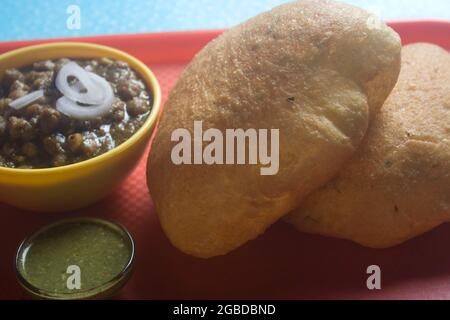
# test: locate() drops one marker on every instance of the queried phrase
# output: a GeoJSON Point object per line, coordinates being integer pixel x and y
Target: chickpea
{"type": "Point", "coordinates": [45, 65]}
{"type": "Point", "coordinates": [59, 160]}
{"type": "Point", "coordinates": [30, 150]}
{"type": "Point", "coordinates": [94, 123]}
{"type": "Point", "coordinates": [34, 121]}
{"type": "Point", "coordinates": [8, 149]}
{"type": "Point", "coordinates": [4, 103]}
{"type": "Point", "coordinates": [128, 90]}
{"type": "Point", "coordinates": [105, 61]}
{"type": "Point", "coordinates": [19, 85]}
{"type": "Point", "coordinates": [41, 83]}
{"type": "Point", "coordinates": [119, 115]}
{"type": "Point", "coordinates": [15, 94]}
{"type": "Point", "coordinates": [34, 110]}
{"type": "Point", "coordinates": [19, 158]}
{"type": "Point", "coordinates": [20, 129]}
{"type": "Point", "coordinates": [45, 100]}
{"type": "Point", "coordinates": [129, 128]}
{"type": "Point", "coordinates": [121, 64]}
{"type": "Point", "coordinates": [49, 120]}
{"type": "Point", "coordinates": [88, 147]}
{"type": "Point", "coordinates": [136, 107]}
{"type": "Point", "coordinates": [54, 144]}
{"type": "Point", "coordinates": [74, 142]}
{"type": "Point", "coordinates": [118, 110]}
{"type": "Point", "coordinates": [3, 126]}
{"type": "Point", "coordinates": [39, 79]}
{"type": "Point", "coordinates": [12, 75]}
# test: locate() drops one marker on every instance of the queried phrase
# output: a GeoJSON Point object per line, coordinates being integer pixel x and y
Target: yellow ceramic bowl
{"type": "Point", "coordinates": [76, 185]}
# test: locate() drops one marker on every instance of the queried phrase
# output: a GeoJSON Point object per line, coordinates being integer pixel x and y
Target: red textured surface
{"type": "Point", "coordinates": [281, 264]}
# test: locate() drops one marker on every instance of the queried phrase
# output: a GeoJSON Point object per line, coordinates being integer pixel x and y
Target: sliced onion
{"type": "Point", "coordinates": [21, 102]}
{"type": "Point", "coordinates": [102, 84]}
{"type": "Point", "coordinates": [74, 110]}
{"type": "Point", "coordinates": [93, 94]}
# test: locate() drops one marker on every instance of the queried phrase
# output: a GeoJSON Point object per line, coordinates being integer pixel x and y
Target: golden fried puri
{"type": "Point", "coordinates": [398, 184]}
{"type": "Point", "coordinates": [316, 70]}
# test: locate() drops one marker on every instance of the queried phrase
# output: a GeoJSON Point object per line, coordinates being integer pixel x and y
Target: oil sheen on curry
{"type": "Point", "coordinates": [59, 112]}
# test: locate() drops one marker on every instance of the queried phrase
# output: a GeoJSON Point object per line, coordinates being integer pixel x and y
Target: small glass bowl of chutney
{"type": "Point", "coordinates": [73, 259]}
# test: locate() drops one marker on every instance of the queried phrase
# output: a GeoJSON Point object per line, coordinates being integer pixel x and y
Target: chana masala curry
{"type": "Point", "coordinates": [59, 112]}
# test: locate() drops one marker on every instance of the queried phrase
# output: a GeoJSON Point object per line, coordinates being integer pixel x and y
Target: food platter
{"type": "Point", "coordinates": [281, 264]}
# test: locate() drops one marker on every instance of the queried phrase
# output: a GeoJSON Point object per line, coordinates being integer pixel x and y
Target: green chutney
{"type": "Point", "coordinates": [102, 251]}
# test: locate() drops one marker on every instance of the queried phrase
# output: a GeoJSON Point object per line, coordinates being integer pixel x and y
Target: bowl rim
{"type": "Point", "coordinates": [115, 283]}
{"type": "Point", "coordinates": [141, 68]}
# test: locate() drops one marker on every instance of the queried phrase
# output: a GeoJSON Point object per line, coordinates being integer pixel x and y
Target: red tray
{"type": "Point", "coordinates": [281, 264]}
